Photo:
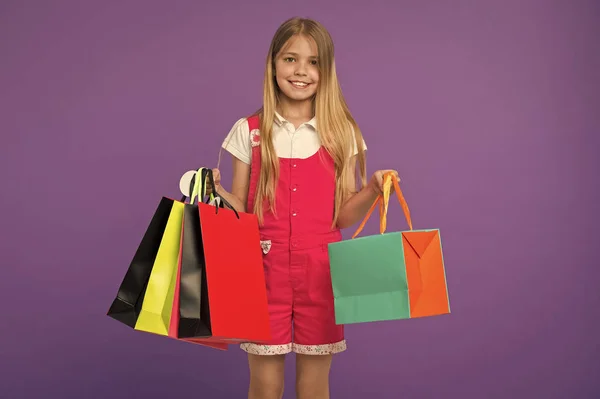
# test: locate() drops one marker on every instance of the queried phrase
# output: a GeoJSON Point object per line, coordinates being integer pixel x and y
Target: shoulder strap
{"type": "Point", "coordinates": [253, 122]}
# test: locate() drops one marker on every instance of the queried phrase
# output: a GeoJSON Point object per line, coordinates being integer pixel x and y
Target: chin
{"type": "Point", "coordinates": [299, 96]}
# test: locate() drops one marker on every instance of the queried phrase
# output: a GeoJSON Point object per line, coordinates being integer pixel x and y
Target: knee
{"type": "Point", "coordinates": [266, 386]}
{"type": "Point", "coordinates": [312, 388]}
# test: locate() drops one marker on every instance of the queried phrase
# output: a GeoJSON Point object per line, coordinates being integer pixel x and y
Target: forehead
{"type": "Point", "coordinates": [301, 45]}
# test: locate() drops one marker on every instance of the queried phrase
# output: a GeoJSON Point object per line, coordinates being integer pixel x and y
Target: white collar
{"type": "Point", "coordinates": [281, 120]}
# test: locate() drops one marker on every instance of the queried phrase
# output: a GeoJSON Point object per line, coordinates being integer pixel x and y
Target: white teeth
{"type": "Point", "coordinates": [299, 84]}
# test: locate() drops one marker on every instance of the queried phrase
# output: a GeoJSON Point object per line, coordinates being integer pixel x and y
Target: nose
{"type": "Point", "coordinates": [300, 69]}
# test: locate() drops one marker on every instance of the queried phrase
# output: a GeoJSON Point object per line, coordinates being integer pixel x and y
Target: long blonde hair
{"type": "Point", "coordinates": [338, 131]}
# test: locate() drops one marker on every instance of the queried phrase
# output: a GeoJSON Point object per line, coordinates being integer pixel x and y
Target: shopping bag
{"type": "Point", "coordinates": [160, 248]}
{"type": "Point", "coordinates": [155, 315]}
{"type": "Point", "coordinates": [390, 276]}
{"type": "Point", "coordinates": [237, 296]}
{"type": "Point", "coordinates": [191, 309]}
{"type": "Point", "coordinates": [187, 320]}
{"type": "Point", "coordinates": [127, 305]}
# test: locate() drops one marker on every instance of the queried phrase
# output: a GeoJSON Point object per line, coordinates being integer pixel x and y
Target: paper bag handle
{"type": "Point", "coordinates": [198, 186]}
{"type": "Point", "coordinates": [192, 193]}
{"type": "Point", "coordinates": [383, 200]}
{"type": "Point", "coordinates": [222, 202]}
{"type": "Point", "coordinates": [198, 183]}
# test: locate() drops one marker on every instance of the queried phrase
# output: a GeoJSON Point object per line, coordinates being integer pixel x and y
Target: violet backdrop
{"type": "Point", "coordinates": [489, 110]}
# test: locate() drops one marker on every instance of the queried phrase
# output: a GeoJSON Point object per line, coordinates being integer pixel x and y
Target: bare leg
{"type": "Point", "coordinates": [266, 376]}
{"type": "Point", "coordinates": [312, 376]}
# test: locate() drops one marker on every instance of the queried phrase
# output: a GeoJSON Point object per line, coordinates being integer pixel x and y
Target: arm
{"type": "Point", "coordinates": [355, 208]}
{"type": "Point", "coordinates": [239, 188]}
{"type": "Point", "coordinates": [357, 205]}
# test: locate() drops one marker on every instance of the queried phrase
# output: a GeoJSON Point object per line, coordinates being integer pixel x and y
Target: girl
{"type": "Point", "coordinates": [294, 164]}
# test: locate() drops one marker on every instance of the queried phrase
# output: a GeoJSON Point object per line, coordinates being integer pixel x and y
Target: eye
{"type": "Point", "coordinates": [314, 62]}
{"type": "Point", "coordinates": [289, 59]}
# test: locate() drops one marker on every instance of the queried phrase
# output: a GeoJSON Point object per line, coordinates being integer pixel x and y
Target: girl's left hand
{"type": "Point", "coordinates": [376, 182]}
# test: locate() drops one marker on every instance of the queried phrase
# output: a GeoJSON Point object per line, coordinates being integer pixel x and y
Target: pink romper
{"type": "Point", "coordinates": [295, 256]}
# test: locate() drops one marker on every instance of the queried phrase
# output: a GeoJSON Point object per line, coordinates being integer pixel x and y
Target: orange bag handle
{"type": "Point", "coordinates": [383, 201]}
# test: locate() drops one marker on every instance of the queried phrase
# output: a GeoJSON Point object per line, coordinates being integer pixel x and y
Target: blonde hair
{"type": "Point", "coordinates": [337, 128]}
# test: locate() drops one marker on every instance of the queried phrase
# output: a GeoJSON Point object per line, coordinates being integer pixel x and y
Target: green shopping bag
{"type": "Point", "coordinates": [389, 276]}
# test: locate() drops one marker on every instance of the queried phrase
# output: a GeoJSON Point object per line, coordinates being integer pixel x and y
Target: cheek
{"type": "Point", "coordinates": [315, 76]}
{"type": "Point", "coordinates": [280, 75]}
{"type": "Point", "coordinates": [282, 69]}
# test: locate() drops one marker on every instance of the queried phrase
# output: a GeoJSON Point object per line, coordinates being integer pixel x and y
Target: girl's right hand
{"type": "Point", "coordinates": [217, 178]}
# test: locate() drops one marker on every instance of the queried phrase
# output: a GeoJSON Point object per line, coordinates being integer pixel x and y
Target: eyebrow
{"type": "Point", "coordinates": [296, 54]}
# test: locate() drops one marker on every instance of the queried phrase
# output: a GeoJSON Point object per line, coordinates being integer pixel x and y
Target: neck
{"type": "Point", "coordinates": [296, 110]}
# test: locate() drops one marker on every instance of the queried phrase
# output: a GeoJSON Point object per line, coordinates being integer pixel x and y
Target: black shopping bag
{"type": "Point", "coordinates": [128, 303]}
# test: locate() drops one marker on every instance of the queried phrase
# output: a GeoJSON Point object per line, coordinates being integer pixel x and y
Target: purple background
{"type": "Point", "coordinates": [490, 111]}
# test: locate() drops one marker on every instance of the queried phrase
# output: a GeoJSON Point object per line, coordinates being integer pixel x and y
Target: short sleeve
{"type": "Point", "coordinates": [237, 142]}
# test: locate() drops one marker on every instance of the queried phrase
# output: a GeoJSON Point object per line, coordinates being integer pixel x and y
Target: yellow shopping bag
{"type": "Point", "coordinates": [155, 315]}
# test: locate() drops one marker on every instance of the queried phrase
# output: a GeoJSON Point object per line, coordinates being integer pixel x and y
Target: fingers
{"type": "Point", "coordinates": [216, 178]}
{"type": "Point", "coordinates": [378, 179]}
{"type": "Point", "coordinates": [377, 183]}
{"type": "Point", "coordinates": [394, 172]}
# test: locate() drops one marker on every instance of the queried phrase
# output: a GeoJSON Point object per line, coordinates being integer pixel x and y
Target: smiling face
{"type": "Point", "coordinates": [296, 69]}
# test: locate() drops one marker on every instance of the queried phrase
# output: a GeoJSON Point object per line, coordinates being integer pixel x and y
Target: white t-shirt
{"type": "Point", "coordinates": [288, 141]}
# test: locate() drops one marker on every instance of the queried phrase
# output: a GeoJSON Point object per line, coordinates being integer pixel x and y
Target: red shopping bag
{"type": "Point", "coordinates": [237, 293]}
